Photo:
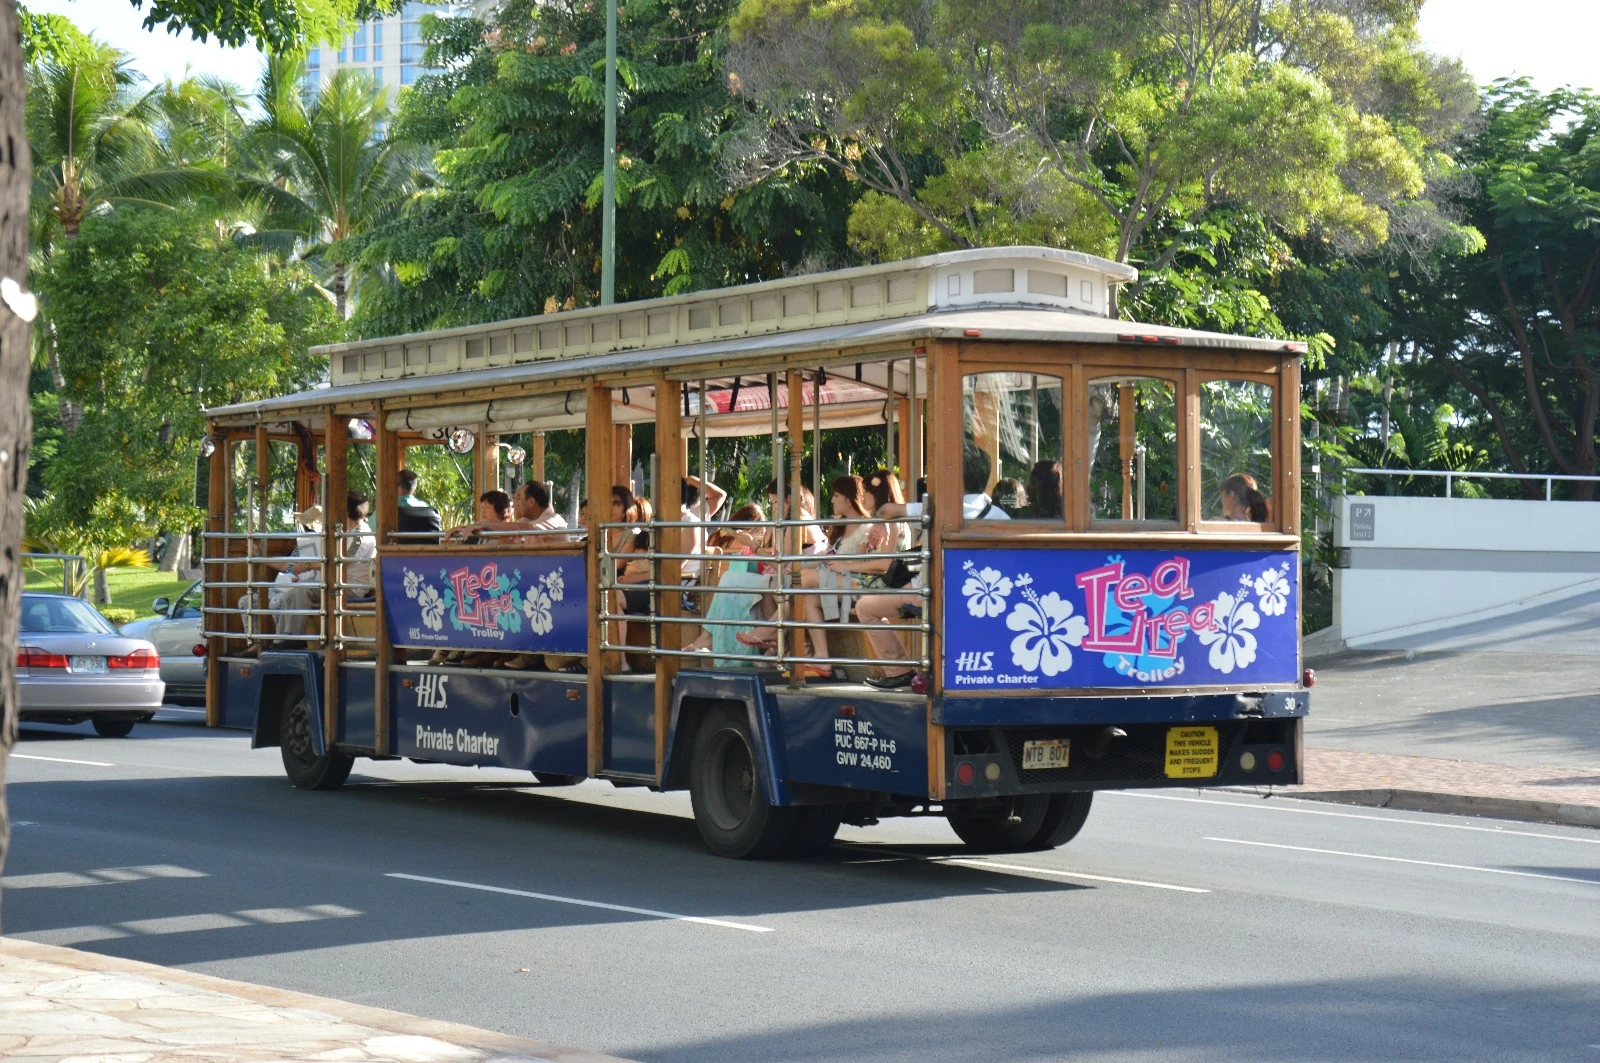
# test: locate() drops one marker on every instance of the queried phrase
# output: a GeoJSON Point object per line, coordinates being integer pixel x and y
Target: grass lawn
{"type": "Point", "coordinates": [131, 588]}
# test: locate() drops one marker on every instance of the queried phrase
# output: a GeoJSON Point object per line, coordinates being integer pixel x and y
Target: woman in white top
{"type": "Point", "coordinates": [851, 500]}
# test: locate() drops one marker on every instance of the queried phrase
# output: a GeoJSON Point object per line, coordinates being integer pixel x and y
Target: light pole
{"type": "Point", "coordinates": [608, 197]}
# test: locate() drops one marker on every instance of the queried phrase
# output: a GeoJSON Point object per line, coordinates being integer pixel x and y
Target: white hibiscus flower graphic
{"type": "Point", "coordinates": [432, 607]}
{"type": "Point", "coordinates": [1232, 645]}
{"type": "Point", "coordinates": [1272, 592]}
{"type": "Point", "coordinates": [985, 590]}
{"type": "Point", "coordinates": [555, 585]}
{"type": "Point", "coordinates": [536, 607]}
{"type": "Point", "coordinates": [413, 583]}
{"type": "Point", "coordinates": [1048, 633]}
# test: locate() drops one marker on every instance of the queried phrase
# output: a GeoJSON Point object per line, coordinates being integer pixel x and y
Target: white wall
{"type": "Point", "coordinates": [1423, 564]}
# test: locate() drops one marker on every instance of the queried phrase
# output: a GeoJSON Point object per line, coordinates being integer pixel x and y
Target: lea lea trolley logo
{"type": "Point", "coordinates": [1052, 619]}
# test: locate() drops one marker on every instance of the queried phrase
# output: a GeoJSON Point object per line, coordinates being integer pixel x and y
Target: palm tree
{"type": "Point", "coordinates": [336, 174]}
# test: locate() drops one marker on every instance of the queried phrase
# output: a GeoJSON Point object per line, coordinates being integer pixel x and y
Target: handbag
{"type": "Point", "coordinates": [900, 572]}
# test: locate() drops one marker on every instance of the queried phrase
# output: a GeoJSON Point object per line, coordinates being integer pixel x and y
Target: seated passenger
{"type": "Point", "coordinates": [976, 468]}
{"type": "Point", "coordinates": [301, 570]}
{"type": "Point", "coordinates": [742, 591]}
{"type": "Point", "coordinates": [1044, 492]}
{"type": "Point", "coordinates": [846, 575]}
{"type": "Point", "coordinates": [1242, 500]}
{"type": "Point", "coordinates": [813, 539]}
{"type": "Point", "coordinates": [414, 515]}
{"type": "Point", "coordinates": [1011, 496]}
{"type": "Point", "coordinates": [492, 506]}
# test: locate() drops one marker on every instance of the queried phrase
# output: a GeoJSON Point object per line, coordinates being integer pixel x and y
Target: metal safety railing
{"type": "Point", "coordinates": [254, 604]}
{"type": "Point", "coordinates": [509, 535]}
{"type": "Point", "coordinates": [1451, 476]}
{"type": "Point", "coordinates": [68, 563]}
{"type": "Point", "coordinates": [786, 589]}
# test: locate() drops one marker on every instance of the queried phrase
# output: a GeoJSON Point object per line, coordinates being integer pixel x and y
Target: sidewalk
{"type": "Point", "coordinates": [1427, 784]}
{"type": "Point", "coordinates": [65, 1006]}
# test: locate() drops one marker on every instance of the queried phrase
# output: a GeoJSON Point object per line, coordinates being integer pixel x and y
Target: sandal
{"type": "Point", "coordinates": [817, 672]}
{"type": "Point", "coordinates": [748, 638]}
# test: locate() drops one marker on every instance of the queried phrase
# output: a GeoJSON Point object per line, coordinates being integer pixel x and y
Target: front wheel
{"type": "Point", "coordinates": [113, 728]}
{"type": "Point", "coordinates": [730, 808]}
{"type": "Point", "coordinates": [304, 768]}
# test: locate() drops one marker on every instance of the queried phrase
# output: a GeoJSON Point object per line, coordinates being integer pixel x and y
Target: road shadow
{"type": "Point", "coordinates": [1351, 1020]}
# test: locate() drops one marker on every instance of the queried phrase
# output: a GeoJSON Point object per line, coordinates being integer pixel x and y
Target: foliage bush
{"type": "Point", "coordinates": [117, 615]}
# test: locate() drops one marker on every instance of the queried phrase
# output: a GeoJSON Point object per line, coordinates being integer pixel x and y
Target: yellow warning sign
{"type": "Point", "coordinates": [1191, 752]}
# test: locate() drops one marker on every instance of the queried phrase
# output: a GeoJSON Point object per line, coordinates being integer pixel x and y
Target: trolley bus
{"type": "Point", "coordinates": [1087, 577]}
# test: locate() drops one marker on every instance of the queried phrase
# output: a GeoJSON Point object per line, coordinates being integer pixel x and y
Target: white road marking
{"type": "Point", "coordinates": [62, 760]}
{"type": "Point", "coordinates": [1262, 806]}
{"type": "Point", "coordinates": [98, 877]}
{"type": "Point", "coordinates": [1404, 860]}
{"type": "Point", "coordinates": [582, 903]}
{"type": "Point", "coordinates": [991, 865]}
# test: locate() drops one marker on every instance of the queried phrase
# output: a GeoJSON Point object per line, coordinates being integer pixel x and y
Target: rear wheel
{"type": "Point", "coordinates": [304, 768]}
{"type": "Point", "coordinates": [1063, 819]}
{"type": "Point", "coordinates": [1010, 828]}
{"type": "Point", "coordinates": [113, 728]}
{"type": "Point", "coordinates": [729, 806]}
{"type": "Point", "coordinates": [814, 828]}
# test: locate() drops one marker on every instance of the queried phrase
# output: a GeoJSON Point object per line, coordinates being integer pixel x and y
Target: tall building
{"type": "Point", "coordinates": [389, 48]}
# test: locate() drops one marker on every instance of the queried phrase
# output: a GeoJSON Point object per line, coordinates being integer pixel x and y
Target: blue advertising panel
{"type": "Point", "coordinates": [1070, 619]}
{"type": "Point", "coordinates": [518, 603]}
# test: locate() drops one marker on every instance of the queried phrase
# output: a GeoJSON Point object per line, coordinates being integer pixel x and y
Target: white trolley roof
{"type": "Point", "coordinates": [1008, 293]}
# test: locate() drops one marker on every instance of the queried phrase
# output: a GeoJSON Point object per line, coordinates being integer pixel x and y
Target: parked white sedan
{"type": "Point", "coordinates": [175, 633]}
{"type": "Point", "coordinates": [72, 666]}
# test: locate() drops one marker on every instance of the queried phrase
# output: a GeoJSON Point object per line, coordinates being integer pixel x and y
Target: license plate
{"type": "Point", "coordinates": [1045, 753]}
{"type": "Point", "coordinates": [1191, 752]}
{"type": "Point", "coordinates": [87, 665]}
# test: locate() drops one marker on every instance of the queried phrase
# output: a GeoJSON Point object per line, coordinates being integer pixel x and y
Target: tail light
{"type": "Point", "coordinates": [1275, 760]}
{"type": "Point", "coordinates": [32, 657]}
{"type": "Point", "coordinates": [1309, 678]}
{"type": "Point", "coordinates": [146, 659]}
{"type": "Point", "coordinates": [199, 649]}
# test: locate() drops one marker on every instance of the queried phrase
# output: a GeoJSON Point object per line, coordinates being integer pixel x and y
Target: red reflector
{"type": "Point", "coordinates": [29, 657]}
{"type": "Point", "coordinates": [1174, 340]}
{"type": "Point", "coordinates": [199, 649]}
{"type": "Point", "coordinates": [1275, 760]}
{"type": "Point", "coordinates": [1149, 339]}
{"type": "Point", "coordinates": [965, 773]}
{"type": "Point", "coordinates": [847, 710]}
{"type": "Point", "coordinates": [137, 659]}
{"type": "Point", "coordinates": [972, 332]}
{"type": "Point", "coordinates": [1128, 338]}
{"type": "Point", "coordinates": [1309, 678]}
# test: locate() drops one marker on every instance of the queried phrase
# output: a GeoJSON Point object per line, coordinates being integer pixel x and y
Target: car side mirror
{"type": "Point", "coordinates": [161, 605]}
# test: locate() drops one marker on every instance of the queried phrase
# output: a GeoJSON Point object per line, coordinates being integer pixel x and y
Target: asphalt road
{"type": "Point", "coordinates": [1178, 926]}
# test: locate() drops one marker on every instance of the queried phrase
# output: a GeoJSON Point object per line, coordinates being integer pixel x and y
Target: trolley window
{"type": "Point", "coordinates": [1012, 423]}
{"type": "Point", "coordinates": [1133, 447]}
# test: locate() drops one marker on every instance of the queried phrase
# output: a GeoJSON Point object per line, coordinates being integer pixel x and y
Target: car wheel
{"type": "Point", "coordinates": [730, 807]}
{"type": "Point", "coordinates": [113, 728]}
{"type": "Point", "coordinates": [304, 768]}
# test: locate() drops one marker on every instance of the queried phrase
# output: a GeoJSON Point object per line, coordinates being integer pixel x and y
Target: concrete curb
{"type": "Point", "coordinates": [1451, 804]}
{"type": "Point", "coordinates": [495, 1045]}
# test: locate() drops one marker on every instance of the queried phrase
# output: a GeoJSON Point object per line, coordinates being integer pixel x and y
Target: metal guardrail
{"type": "Point", "coordinates": [253, 610]}
{"type": "Point", "coordinates": [1450, 476]}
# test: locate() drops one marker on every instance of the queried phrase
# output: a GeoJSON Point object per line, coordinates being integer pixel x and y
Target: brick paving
{"type": "Point", "coordinates": [1333, 769]}
{"type": "Point", "coordinates": [60, 1005]}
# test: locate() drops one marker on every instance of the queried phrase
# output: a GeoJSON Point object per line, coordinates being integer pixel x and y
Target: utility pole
{"type": "Point", "coordinates": [608, 201]}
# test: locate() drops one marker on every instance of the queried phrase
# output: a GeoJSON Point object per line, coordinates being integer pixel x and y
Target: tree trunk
{"type": "Point", "coordinates": [16, 428]}
{"type": "Point", "coordinates": [339, 282]}
{"type": "Point", "coordinates": [175, 555]}
{"type": "Point", "coordinates": [102, 591]}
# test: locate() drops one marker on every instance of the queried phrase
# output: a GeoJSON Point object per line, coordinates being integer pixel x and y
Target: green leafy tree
{"type": "Point", "coordinates": [336, 174]}
{"type": "Point", "coordinates": [513, 224]}
{"type": "Point", "coordinates": [217, 323]}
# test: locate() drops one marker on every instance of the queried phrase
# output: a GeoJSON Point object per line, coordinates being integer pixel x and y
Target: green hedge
{"type": "Point", "coordinates": [117, 615]}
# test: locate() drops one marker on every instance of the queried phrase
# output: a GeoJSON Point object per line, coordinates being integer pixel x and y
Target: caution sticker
{"type": "Point", "coordinates": [1191, 752]}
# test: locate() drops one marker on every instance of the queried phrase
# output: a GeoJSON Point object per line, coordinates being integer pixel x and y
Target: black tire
{"type": "Point", "coordinates": [113, 728]}
{"type": "Point", "coordinates": [814, 828]}
{"type": "Point", "coordinates": [994, 831]}
{"type": "Point", "coordinates": [556, 778]}
{"type": "Point", "coordinates": [306, 770]}
{"type": "Point", "coordinates": [1063, 820]}
{"type": "Point", "coordinates": [730, 808]}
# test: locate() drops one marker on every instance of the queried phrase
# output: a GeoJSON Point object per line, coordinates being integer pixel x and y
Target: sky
{"type": "Point", "coordinates": [1555, 42]}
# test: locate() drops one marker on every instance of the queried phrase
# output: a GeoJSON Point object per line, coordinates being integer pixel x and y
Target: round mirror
{"type": "Point", "coordinates": [208, 447]}
{"type": "Point", "coordinates": [462, 440]}
{"type": "Point", "coordinates": [516, 455]}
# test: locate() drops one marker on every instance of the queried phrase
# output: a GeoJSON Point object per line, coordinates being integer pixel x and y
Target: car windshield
{"type": "Point", "coordinates": [62, 616]}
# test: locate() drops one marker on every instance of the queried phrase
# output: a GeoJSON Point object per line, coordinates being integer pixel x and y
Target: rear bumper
{"type": "Point", "coordinates": [1123, 743]}
{"type": "Point", "coordinates": [45, 697]}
